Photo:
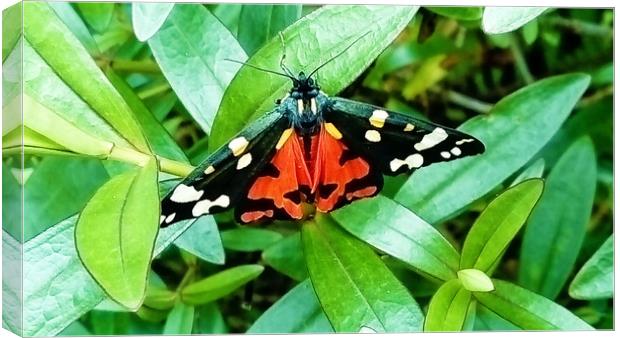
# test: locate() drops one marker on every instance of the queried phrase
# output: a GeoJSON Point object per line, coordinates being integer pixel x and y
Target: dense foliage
{"type": "Point", "coordinates": [120, 100]}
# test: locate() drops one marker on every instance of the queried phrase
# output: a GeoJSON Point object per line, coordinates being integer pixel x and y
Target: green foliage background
{"type": "Point", "coordinates": [122, 99]}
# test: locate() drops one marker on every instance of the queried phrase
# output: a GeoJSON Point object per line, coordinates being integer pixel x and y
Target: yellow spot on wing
{"type": "Point", "coordinates": [378, 118]}
{"type": "Point", "coordinates": [284, 137]}
{"type": "Point", "coordinates": [238, 145]}
{"type": "Point", "coordinates": [409, 127]}
{"type": "Point", "coordinates": [333, 131]}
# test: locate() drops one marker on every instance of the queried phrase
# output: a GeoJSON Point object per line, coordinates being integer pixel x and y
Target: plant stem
{"type": "Point", "coordinates": [520, 62]}
{"type": "Point", "coordinates": [152, 91]}
{"type": "Point", "coordinates": [469, 102]}
{"type": "Point", "coordinates": [138, 66]}
{"type": "Point", "coordinates": [581, 27]}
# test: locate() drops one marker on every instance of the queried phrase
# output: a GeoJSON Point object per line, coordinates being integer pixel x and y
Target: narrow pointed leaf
{"type": "Point", "coordinates": [535, 170]}
{"type": "Point", "coordinates": [249, 239]}
{"type": "Point", "coordinates": [309, 42]}
{"type": "Point", "coordinates": [354, 286]}
{"type": "Point", "coordinates": [219, 285]}
{"type": "Point", "coordinates": [180, 320]}
{"type": "Point", "coordinates": [595, 279]}
{"type": "Point", "coordinates": [115, 234]}
{"type": "Point", "coordinates": [98, 14]}
{"type": "Point", "coordinates": [74, 22]}
{"type": "Point", "coordinates": [557, 227]}
{"type": "Point", "coordinates": [448, 308]}
{"type": "Point", "coordinates": [147, 18]}
{"type": "Point", "coordinates": [515, 129]}
{"type": "Point", "coordinates": [498, 20]}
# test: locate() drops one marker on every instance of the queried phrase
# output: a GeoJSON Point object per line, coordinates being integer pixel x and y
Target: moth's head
{"type": "Point", "coordinates": [305, 85]}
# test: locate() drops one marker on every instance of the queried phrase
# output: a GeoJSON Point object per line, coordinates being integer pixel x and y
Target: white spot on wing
{"type": "Point", "coordinates": [455, 151]}
{"type": "Point", "coordinates": [409, 127]}
{"type": "Point", "coordinates": [183, 194]}
{"type": "Point", "coordinates": [373, 136]}
{"type": "Point", "coordinates": [170, 217]}
{"type": "Point", "coordinates": [432, 139]}
{"type": "Point", "coordinates": [412, 161]}
{"type": "Point", "coordinates": [203, 207]}
{"type": "Point", "coordinates": [210, 169]}
{"type": "Point", "coordinates": [244, 161]}
{"type": "Point", "coordinates": [465, 140]}
{"type": "Point", "coordinates": [161, 219]}
{"type": "Point", "coordinates": [445, 154]}
{"type": "Point", "coordinates": [238, 145]}
{"type": "Point", "coordinates": [378, 118]}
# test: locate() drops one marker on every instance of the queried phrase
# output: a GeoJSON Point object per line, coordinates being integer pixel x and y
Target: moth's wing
{"type": "Point", "coordinates": [278, 189]}
{"type": "Point", "coordinates": [222, 179]}
{"type": "Point", "coordinates": [395, 142]}
{"type": "Point", "coordinates": [342, 175]}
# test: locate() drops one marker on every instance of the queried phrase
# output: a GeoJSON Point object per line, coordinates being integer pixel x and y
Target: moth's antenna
{"type": "Point", "coordinates": [339, 54]}
{"type": "Point", "coordinates": [282, 65]}
{"type": "Point", "coordinates": [261, 69]}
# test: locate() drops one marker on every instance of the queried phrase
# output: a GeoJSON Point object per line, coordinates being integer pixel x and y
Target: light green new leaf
{"type": "Point", "coordinates": [98, 14]}
{"type": "Point", "coordinates": [528, 310]}
{"type": "Point", "coordinates": [262, 22]}
{"type": "Point", "coordinates": [249, 239]}
{"type": "Point", "coordinates": [147, 18]}
{"type": "Point", "coordinates": [448, 308]}
{"type": "Point", "coordinates": [515, 129]}
{"type": "Point", "coordinates": [556, 230]}
{"type": "Point", "coordinates": [115, 234]}
{"type": "Point", "coordinates": [497, 225]}
{"type": "Point", "coordinates": [355, 288]}
{"type": "Point", "coordinates": [395, 230]}
{"type": "Point", "coordinates": [498, 20]}
{"type": "Point", "coordinates": [180, 320]}
{"type": "Point", "coordinates": [53, 41]}
{"type": "Point", "coordinates": [219, 285]}
{"type": "Point", "coordinates": [309, 42]}
{"type": "Point", "coordinates": [298, 311]}
{"type": "Point", "coordinates": [456, 12]}
{"type": "Point", "coordinates": [202, 240]}
{"type": "Point", "coordinates": [191, 48]}
{"type": "Point", "coordinates": [286, 256]}
{"type": "Point", "coordinates": [595, 279]}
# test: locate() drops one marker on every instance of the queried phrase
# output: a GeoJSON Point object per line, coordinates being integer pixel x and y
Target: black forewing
{"type": "Point", "coordinates": [219, 182]}
{"type": "Point", "coordinates": [399, 143]}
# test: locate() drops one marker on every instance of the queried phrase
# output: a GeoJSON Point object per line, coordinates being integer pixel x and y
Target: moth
{"type": "Point", "coordinates": [314, 149]}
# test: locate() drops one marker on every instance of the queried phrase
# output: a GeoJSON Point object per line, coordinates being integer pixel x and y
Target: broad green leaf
{"type": "Point", "coordinates": [162, 143]}
{"type": "Point", "coordinates": [98, 14]}
{"type": "Point", "coordinates": [50, 259]}
{"type": "Point", "coordinates": [262, 22]}
{"type": "Point", "coordinates": [497, 225]}
{"type": "Point", "coordinates": [75, 180]}
{"type": "Point", "coordinates": [309, 42]}
{"type": "Point", "coordinates": [74, 22]}
{"type": "Point", "coordinates": [53, 41]}
{"type": "Point", "coordinates": [595, 279]}
{"type": "Point", "coordinates": [515, 129]}
{"type": "Point", "coordinates": [75, 329]}
{"type": "Point", "coordinates": [535, 170]}
{"type": "Point", "coordinates": [447, 309]}
{"type": "Point", "coordinates": [228, 14]}
{"type": "Point", "coordinates": [180, 320]}
{"type": "Point", "coordinates": [556, 230]}
{"type": "Point", "coordinates": [498, 20]}
{"type": "Point", "coordinates": [202, 239]}
{"type": "Point", "coordinates": [191, 48]}
{"type": "Point", "coordinates": [487, 320]}
{"type": "Point", "coordinates": [393, 229]}
{"type": "Point", "coordinates": [219, 285]}
{"type": "Point", "coordinates": [249, 239]}
{"type": "Point", "coordinates": [355, 288]}
{"type": "Point", "coordinates": [209, 319]}
{"type": "Point", "coordinates": [147, 18]}
{"type": "Point", "coordinates": [456, 12]}
{"type": "Point", "coordinates": [528, 310]}
{"type": "Point", "coordinates": [298, 311]}
{"type": "Point", "coordinates": [116, 232]}
{"type": "Point", "coordinates": [286, 256]}
{"type": "Point", "coordinates": [12, 282]}
{"type": "Point", "coordinates": [11, 28]}
{"type": "Point", "coordinates": [475, 280]}
{"type": "Point", "coordinates": [12, 203]}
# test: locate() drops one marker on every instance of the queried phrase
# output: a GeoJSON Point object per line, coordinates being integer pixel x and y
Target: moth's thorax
{"type": "Point", "coordinates": [305, 112]}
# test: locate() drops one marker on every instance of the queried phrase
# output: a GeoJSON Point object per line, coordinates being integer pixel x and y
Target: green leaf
{"type": "Point", "coordinates": [11, 28]}
{"type": "Point", "coordinates": [515, 129]}
{"type": "Point", "coordinates": [528, 310]}
{"type": "Point", "coordinates": [74, 22]}
{"type": "Point", "coordinates": [219, 285]}
{"type": "Point", "coordinates": [298, 311]}
{"type": "Point", "coordinates": [535, 170]}
{"type": "Point", "coordinates": [497, 225]}
{"type": "Point", "coordinates": [447, 309]}
{"type": "Point", "coordinates": [75, 182]}
{"type": "Point", "coordinates": [487, 320]}
{"type": "Point", "coordinates": [286, 256]}
{"type": "Point", "coordinates": [98, 15]}
{"type": "Point", "coordinates": [116, 232]}
{"type": "Point", "coordinates": [459, 13]}
{"type": "Point", "coordinates": [595, 279]}
{"type": "Point", "coordinates": [228, 14]}
{"type": "Point", "coordinates": [393, 229]}
{"type": "Point", "coordinates": [262, 22]}
{"type": "Point", "coordinates": [309, 42]}
{"type": "Point", "coordinates": [50, 259]}
{"type": "Point", "coordinates": [209, 319]}
{"type": "Point", "coordinates": [249, 239]}
{"type": "Point", "coordinates": [202, 239]}
{"type": "Point", "coordinates": [475, 280]}
{"type": "Point", "coordinates": [557, 228]}
{"type": "Point", "coordinates": [147, 18]}
{"type": "Point", "coordinates": [191, 48]}
{"type": "Point", "coordinates": [356, 290]}
{"type": "Point", "coordinates": [53, 42]}
{"type": "Point", "coordinates": [180, 320]}
{"type": "Point", "coordinates": [12, 203]}
{"type": "Point", "coordinates": [498, 20]}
